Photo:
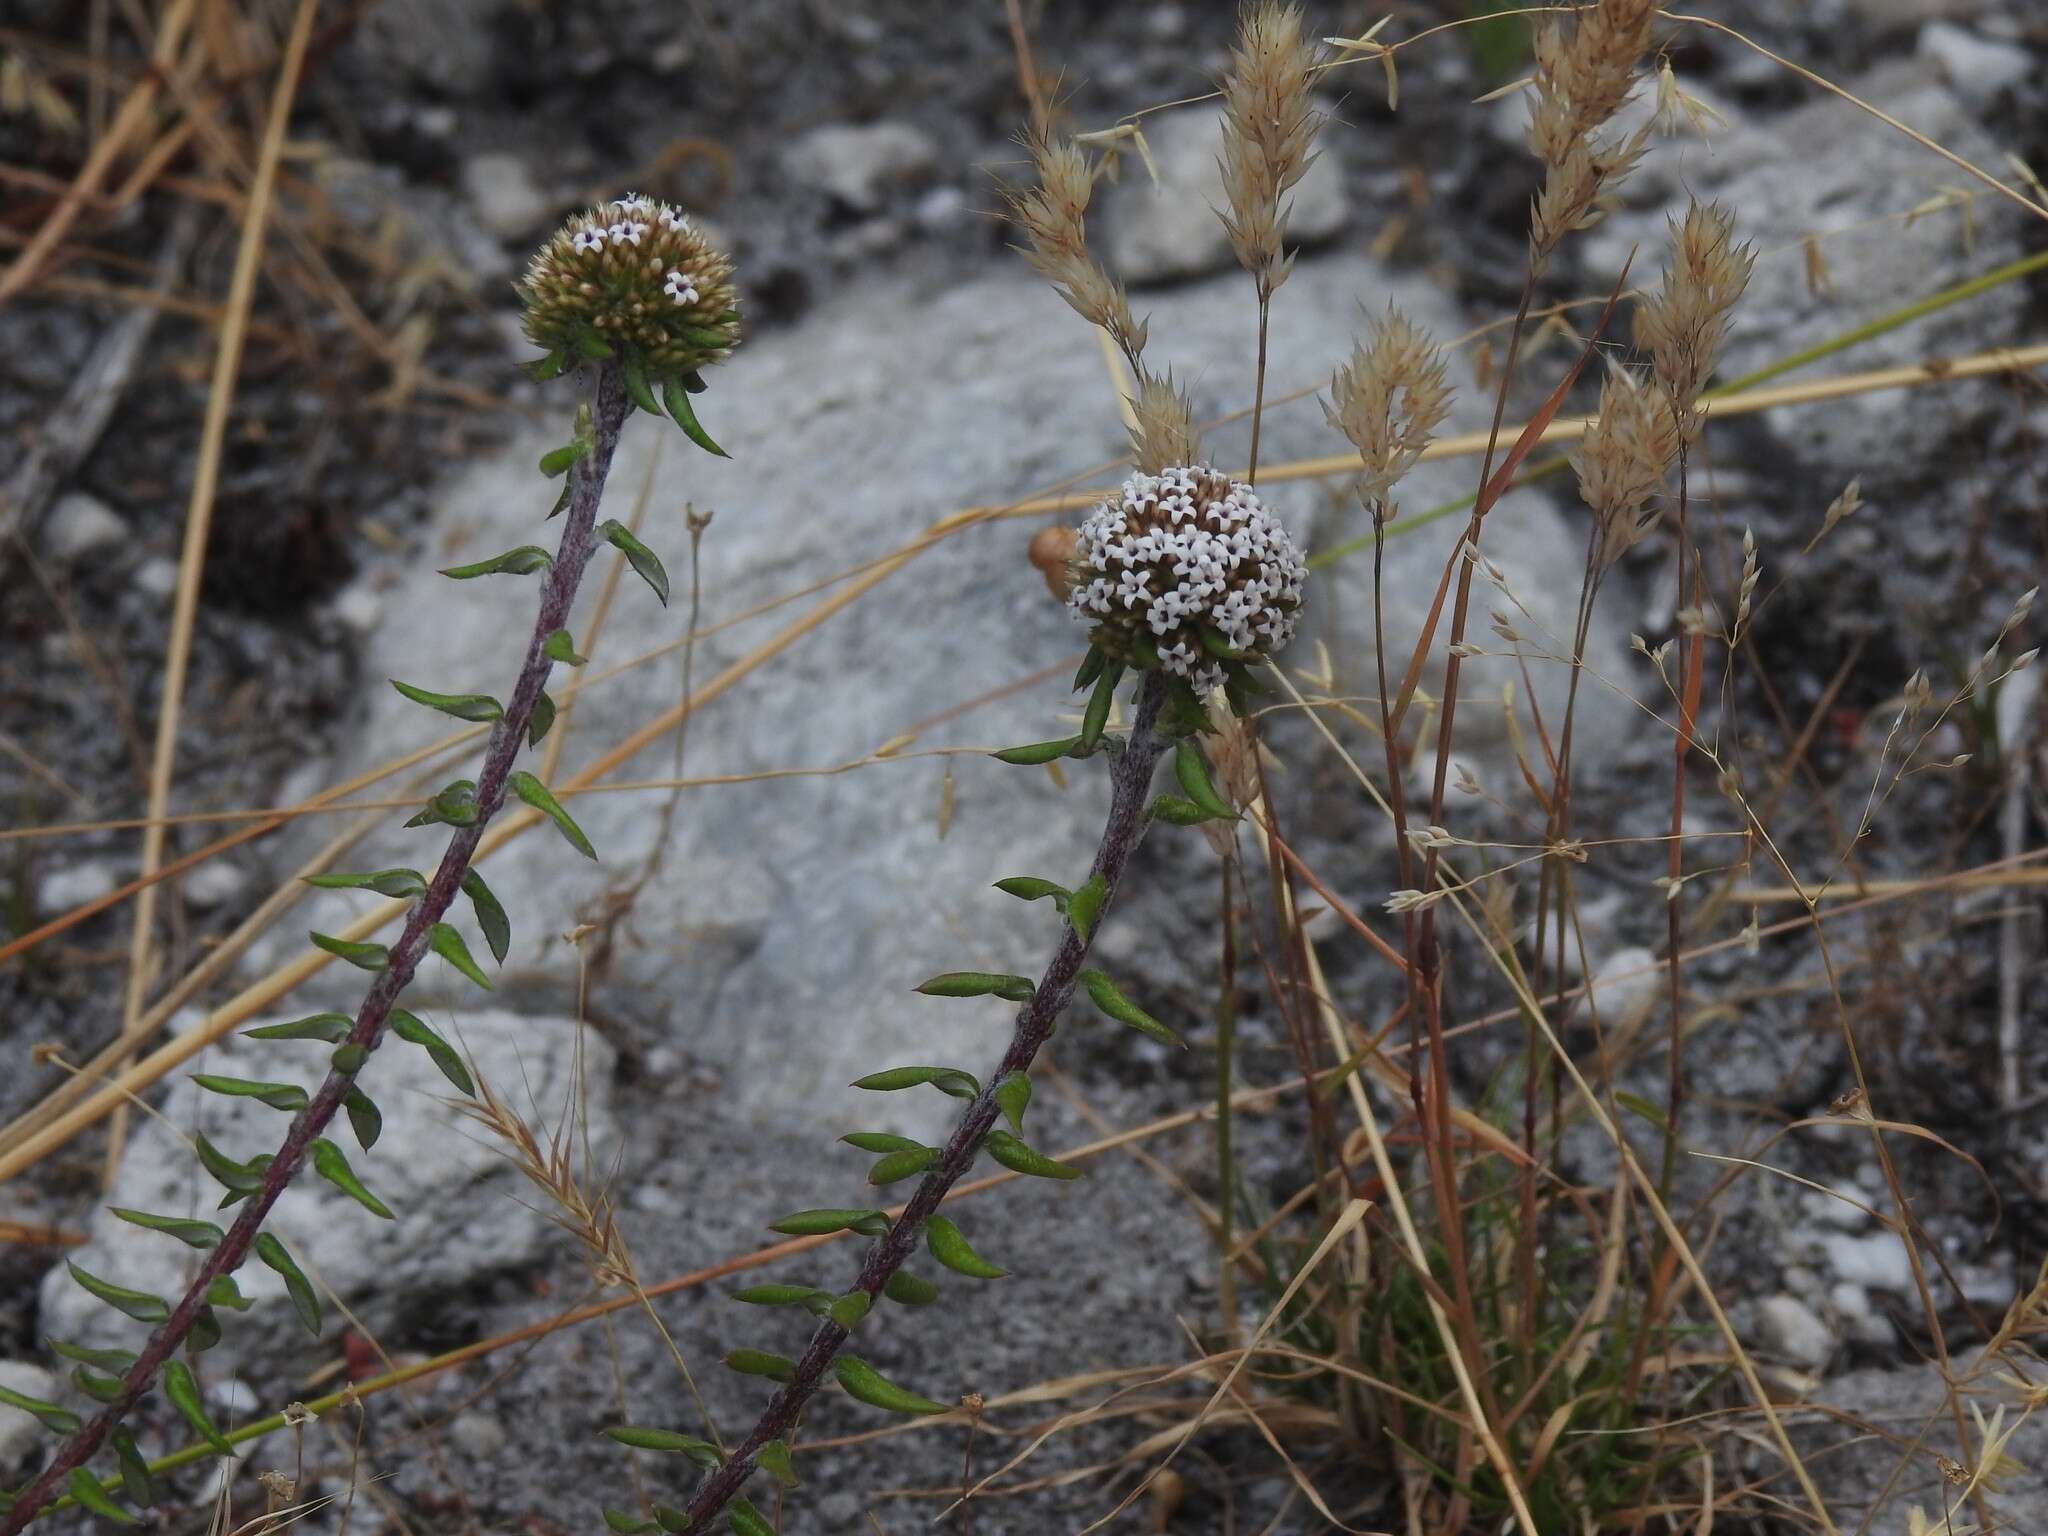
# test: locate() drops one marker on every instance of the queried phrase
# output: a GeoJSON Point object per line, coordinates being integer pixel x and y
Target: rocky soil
{"type": "Point", "coordinates": [903, 366]}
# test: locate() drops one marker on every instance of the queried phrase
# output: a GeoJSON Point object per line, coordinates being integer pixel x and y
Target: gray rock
{"type": "Point", "coordinates": [777, 941]}
{"type": "Point", "coordinates": [508, 201]}
{"type": "Point", "coordinates": [462, 1212]}
{"type": "Point", "coordinates": [1874, 1260]}
{"type": "Point", "coordinates": [862, 165]}
{"type": "Point", "coordinates": [1789, 1329]}
{"type": "Point", "coordinates": [445, 45]}
{"type": "Point", "coordinates": [219, 882]}
{"type": "Point", "coordinates": [1858, 1473]}
{"type": "Point", "coordinates": [1892, 16]}
{"type": "Point", "coordinates": [1167, 231]}
{"type": "Point", "coordinates": [156, 577]}
{"type": "Point", "coordinates": [74, 885]}
{"type": "Point", "coordinates": [81, 524]}
{"type": "Point", "coordinates": [1978, 68]}
{"type": "Point", "coordinates": [20, 1431]}
{"type": "Point", "coordinates": [1626, 986]}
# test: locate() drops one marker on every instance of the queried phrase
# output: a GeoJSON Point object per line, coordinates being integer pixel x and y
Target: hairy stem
{"type": "Point", "coordinates": [1130, 782]}
{"type": "Point", "coordinates": [558, 594]}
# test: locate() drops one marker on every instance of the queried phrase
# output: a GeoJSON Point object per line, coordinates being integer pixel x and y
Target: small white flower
{"type": "Point", "coordinates": [680, 288]}
{"type": "Point", "coordinates": [627, 232]}
{"type": "Point", "coordinates": [585, 240]}
{"type": "Point", "coordinates": [672, 219]}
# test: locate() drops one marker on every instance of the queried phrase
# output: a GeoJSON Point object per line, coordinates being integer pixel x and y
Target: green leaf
{"type": "Point", "coordinates": [1085, 905]}
{"type": "Point", "coordinates": [221, 1291]}
{"type": "Point", "coordinates": [878, 1141]}
{"type": "Point", "coordinates": [646, 564]}
{"type": "Point", "coordinates": [908, 1290]}
{"type": "Point", "coordinates": [193, 1234]}
{"type": "Point", "coordinates": [773, 1458]}
{"type": "Point", "coordinates": [951, 1249]}
{"type": "Point", "coordinates": [541, 721]}
{"type": "Point", "coordinates": [948, 1080]}
{"type": "Point", "coordinates": [816, 1223]}
{"type": "Point", "coordinates": [776, 1294]}
{"type": "Point", "coordinates": [746, 1520]}
{"type": "Point", "coordinates": [903, 1164]}
{"type": "Point", "coordinates": [304, 1299]}
{"type": "Point", "coordinates": [523, 561]}
{"type": "Point", "coordinates": [675, 393]}
{"type": "Point", "coordinates": [1091, 668]}
{"type": "Point", "coordinates": [1193, 772]}
{"type": "Point", "coordinates": [1012, 1094]}
{"type": "Point", "coordinates": [641, 1438]}
{"type": "Point", "coordinates": [240, 1178]}
{"type": "Point", "coordinates": [1038, 752]}
{"type": "Point", "coordinates": [87, 1493]}
{"type": "Point", "coordinates": [548, 365]}
{"type": "Point", "coordinates": [1176, 812]}
{"type": "Point", "coordinates": [1096, 716]}
{"type": "Point", "coordinates": [330, 1163]}
{"type": "Point", "coordinates": [669, 1518]}
{"type": "Point", "coordinates": [58, 1421]}
{"type": "Point", "coordinates": [1019, 1158]}
{"type": "Point", "coordinates": [349, 1059]}
{"type": "Point", "coordinates": [758, 1362]}
{"type": "Point", "coordinates": [140, 1305]}
{"type": "Point", "coordinates": [205, 1332]}
{"type": "Point", "coordinates": [558, 461]}
{"type": "Point", "coordinates": [134, 1470]}
{"type": "Point", "coordinates": [331, 1027]}
{"type": "Point", "coordinates": [401, 884]}
{"type": "Point", "coordinates": [1638, 1105]}
{"type": "Point", "coordinates": [560, 646]}
{"type": "Point", "coordinates": [490, 914]}
{"type": "Point", "coordinates": [447, 942]}
{"type": "Point", "coordinates": [367, 957]}
{"type": "Point", "coordinates": [101, 1389]}
{"type": "Point", "coordinates": [1014, 989]}
{"type": "Point", "coordinates": [1031, 888]}
{"type": "Point", "coordinates": [364, 1118]}
{"type": "Point", "coordinates": [627, 1525]}
{"type": "Point", "coordinates": [1103, 992]}
{"type": "Point", "coordinates": [116, 1360]}
{"type": "Point", "coordinates": [463, 706]}
{"type": "Point", "coordinates": [634, 372]}
{"type": "Point", "coordinates": [183, 1392]}
{"type": "Point", "coordinates": [454, 806]}
{"type": "Point", "coordinates": [535, 794]}
{"type": "Point", "coordinates": [285, 1096]}
{"type": "Point", "coordinates": [849, 1309]}
{"type": "Point", "coordinates": [412, 1031]}
{"type": "Point", "coordinates": [866, 1384]}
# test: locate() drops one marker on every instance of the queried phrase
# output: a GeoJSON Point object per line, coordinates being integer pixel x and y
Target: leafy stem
{"type": "Point", "coordinates": [1130, 780]}
{"type": "Point", "coordinates": [610, 407]}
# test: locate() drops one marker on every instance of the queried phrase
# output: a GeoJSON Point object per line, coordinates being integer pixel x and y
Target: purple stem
{"type": "Point", "coordinates": [557, 596]}
{"type": "Point", "coordinates": [1130, 782]}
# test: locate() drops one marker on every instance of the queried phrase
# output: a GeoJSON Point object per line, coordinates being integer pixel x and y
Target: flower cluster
{"type": "Point", "coordinates": [637, 273]}
{"type": "Point", "coordinates": [1184, 569]}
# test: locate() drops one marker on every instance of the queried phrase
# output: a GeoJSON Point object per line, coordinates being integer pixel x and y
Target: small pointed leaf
{"type": "Point", "coordinates": [1085, 905]}
{"type": "Point", "coordinates": [560, 646]}
{"type": "Point", "coordinates": [1177, 812]}
{"type": "Point", "coordinates": [205, 1331]}
{"type": "Point", "coordinates": [1015, 989]}
{"type": "Point", "coordinates": [849, 1309]}
{"type": "Point", "coordinates": [101, 1389]}
{"type": "Point", "coordinates": [367, 957]}
{"type": "Point", "coordinates": [908, 1290]}
{"type": "Point", "coordinates": [331, 1027]}
{"type": "Point", "coordinates": [759, 1362]}
{"type": "Point", "coordinates": [401, 884]}
{"type": "Point", "coordinates": [1091, 668]}
{"type": "Point", "coordinates": [948, 1080]}
{"type": "Point", "coordinates": [1105, 995]}
{"type": "Point", "coordinates": [819, 1222]}
{"type": "Point", "coordinates": [304, 1300]}
{"type": "Point", "coordinates": [364, 1118]}
{"type": "Point", "coordinates": [903, 1164]}
{"type": "Point", "coordinates": [1193, 772]}
{"type": "Point", "coordinates": [490, 914]}
{"type": "Point", "coordinates": [675, 393]}
{"type": "Point", "coordinates": [634, 373]}
{"type": "Point", "coordinates": [773, 1458]}
{"type": "Point", "coordinates": [951, 1249]}
{"type": "Point", "coordinates": [87, 1493]}
{"type": "Point", "coordinates": [878, 1141]}
{"type": "Point", "coordinates": [239, 1178]}
{"type": "Point", "coordinates": [1038, 752]}
{"type": "Point", "coordinates": [866, 1384]}
{"type": "Point", "coordinates": [627, 1525]}
{"type": "Point", "coordinates": [1012, 1094]}
{"type": "Point", "coordinates": [194, 1234]}
{"type": "Point", "coordinates": [448, 943]}
{"type": "Point", "coordinates": [557, 461]}
{"type": "Point", "coordinates": [777, 1294]}
{"type": "Point", "coordinates": [1096, 716]}
{"type": "Point", "coordinates": [116, 1360]}
{"type": "Point", "coordinates": [463, 706]}
{"type": "Point", "coordinates": [289, 1097]}
{"type": "Point", "coordinates": [140, 1305]}
{"type": "Point", "coordinates": [541, 721]}
{"type": "Point", "coordinates": [409, 1028]}
{"type": "Point", "coordinates": [643, 1438]}
{"type": "Point", "coordinates": [523, 561]}
{"type": "Point", "coordinates": [58, 1421]}
{"type": "Point", "coordinates": [746, 1520]}
{"type": "Point", "coordinates": [134, 1470]}
{"type": "Point", "coordinates": [646, 564]}
{"type": "Point", "coordinates": [1031, 888]}
{"type": "Point", "coordinates": [221, 1291]}
{"type": "Point", "coordinates": [349, 1058]}
{"type": "Point", "coordinates": [535, 794]}
{"type": "Point", "coordinates": [183, 1391]}
{"type": "Point", "coordinates": [332, 1165]}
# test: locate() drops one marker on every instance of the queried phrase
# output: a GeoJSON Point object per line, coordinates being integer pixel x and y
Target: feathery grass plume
{"type": "Point", "coordinates": [1584, 75]}
{"type": "Point", "coordinates": [1053, 217]}
{"type": "Point", "coordinates": [1269, 124]}
{"type": "Point", "coordinates": [1622, 461]}
{"type": "Point", "coordinates": [1163, 429]}
{"type": "Point", "coordinates": [1685, 322]}
{"type": "Point", "coordinates": [1389, 400]}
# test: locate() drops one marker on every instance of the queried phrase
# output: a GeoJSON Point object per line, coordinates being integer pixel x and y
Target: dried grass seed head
{"type": "Point", "coordinates": [1163, 424]}
{"type": "Point", "coordinates": [1179, 567]}
{"type": "Point", "coordinates": [1585, 74]}
{"type": "Point", "coordinates": [1053, 217]}
{"type": "Point", "coordinates": [1269, 127]}
{"type": "Point", "coordinates": [1622, 461]}
{"type": "Point", "coordinates": [1389, 400]}
{"type": "Point", "coordinates": [637, 274]}
{"type": "Point", "coordinates": [1685, 322]}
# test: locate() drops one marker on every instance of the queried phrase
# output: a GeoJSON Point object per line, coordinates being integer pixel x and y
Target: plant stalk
{"type": "Point", "coordinates": [558, 594]}
{"type": "Point", "coordinates": [1130, 781]}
